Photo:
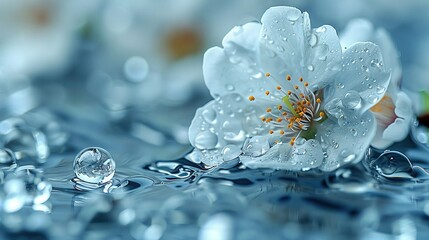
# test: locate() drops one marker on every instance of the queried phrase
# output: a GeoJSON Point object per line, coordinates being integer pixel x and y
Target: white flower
{"type": "Point", "coordinates": [309, 101]}
{"type": "Point", "coordinates": [394, 111]}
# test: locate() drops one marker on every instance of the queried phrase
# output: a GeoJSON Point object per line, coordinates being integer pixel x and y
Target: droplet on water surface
{"type": "Point", "coordinates": [94, 165]}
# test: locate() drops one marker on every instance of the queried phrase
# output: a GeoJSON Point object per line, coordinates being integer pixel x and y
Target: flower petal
{"type": "Point", "coordinates": [403, 106]}
{"type": "Point", "coordinates": [362, 30]}
{"type": "Point", "coordinates": [363, 73]}
{"type": "Point", "coordinates": [235, 68]}
{"type": "Point", "coordinates": [290, 46]}
{"type": "Point", "coordinates": [397, 131]}
{"type": "Point", "coordinates": [226, 121]}
{"type": "Point", "coordinates": [345, 144]}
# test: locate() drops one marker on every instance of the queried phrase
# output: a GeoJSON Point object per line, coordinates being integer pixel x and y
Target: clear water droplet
{"type": "Point", "coordinates": [312, 40]}
{"type": "Point", "coordinates": [209, 115]}
{"type": "Point", "coordinates": [380, 89]}
{"type": "Point", "coordinates": [352, 100]}
{"type": "Point", "coordinates": [310, 68]}
{"type": "Point", "coordinates": [94, 165]}
{"type": "Point", "coordinates": [293, 14]}
{"type": "Point", "coordinates": [136, 69]}
{"type": "Point", "coordinates": [230, 152]}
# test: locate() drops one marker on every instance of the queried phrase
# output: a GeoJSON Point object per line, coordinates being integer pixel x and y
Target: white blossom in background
{"type": "Point", "coordinates": [394, 111]}
{"type": "Point", "coordinates": [287, 97]}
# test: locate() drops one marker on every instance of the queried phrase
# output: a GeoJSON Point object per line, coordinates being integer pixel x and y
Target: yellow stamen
{"type": "Point", "coordinates": [288, 77]}
{"type": "Point", "coordinates": [267, 93]}
{"type": "Point", "coordinates": [321, 114]}
{"type": "Point", "coordinates": [301, 79]}
{"type": "Point", "coordinates": [271, 131]}
{"type": "Point", "coordinates": [251, 98]}
{"type": "Point", "coordinates": [306, 84]}
{"type": "Point", "coordinates": [269, 110]}
{"type": "Point", "coordinates": [318, 100]}
{"type": "Point", "coordinates": [282, 132]}
{"type": "Point", "coordinates": [279, 107]}
{"type": "Point", "coordinates": [279, 88]}
{"type": "Point", "coordinates": [267, 74]}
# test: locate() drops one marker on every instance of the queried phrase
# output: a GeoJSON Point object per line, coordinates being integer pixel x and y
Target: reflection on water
{"type": "Point", "coordinates": [384, 196]}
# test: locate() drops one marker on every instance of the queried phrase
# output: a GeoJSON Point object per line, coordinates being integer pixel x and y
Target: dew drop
{"type": "Point", "coordinates": [310, 68]}
{"type": "Point", "coordinates": [293, 14]}
{"type": "Point", "coordinates": [380, 89]}
{"type": "Point", "coordinates": [230, 152]}
{"type": "Point", "coordinates": [313, 40]}
{"type": "Point", "coordinates": [352, 100]}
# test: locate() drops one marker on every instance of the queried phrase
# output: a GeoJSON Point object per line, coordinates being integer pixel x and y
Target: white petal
{"type": "Point", "coordinates": [290, 46]}
{"type": "Point", "coordinates": [235, 68]}
{"type": "Point", "coordinates": [362, 72]}
{"type": "Point", "coordinates": [403, 106]}
{"type": "Point", "coordinates": [227, 120]}
{"type": "Point", "coordinates": [397, 131]}
{"type": "Point", "coordinates": [345, 144]}
{"type": "Point", "coordinates": [378, 141]}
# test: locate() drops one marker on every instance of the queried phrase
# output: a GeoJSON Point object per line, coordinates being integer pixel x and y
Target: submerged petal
{"type": "Point", "coordinates": [302, 156]}
{"type": "Point", "coordinates": [290, 46]}
{"type": "Point", "coordinates": [345, 144]}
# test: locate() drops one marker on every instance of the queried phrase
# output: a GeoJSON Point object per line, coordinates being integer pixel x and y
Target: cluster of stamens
{"type": "Point", "coordinates": [296, 111]}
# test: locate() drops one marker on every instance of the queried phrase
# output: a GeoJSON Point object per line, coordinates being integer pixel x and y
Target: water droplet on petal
{"type": "Point", "coordinates": [94, 165]}
{"type": "Point", "coordinates": [313, 40]}
{"type": "Point", "coordinates": [352, 100]}
{"type": "Point", "coordinates": [209, 115]}
{"type": "Point", "coordinates": [380, 89]}
{"type": "Point", "coordinates": [230, 152]}
{"type": "Point", "coordinates": [310, 68]}
{"type": "Point", "coordinates": [293, 14]}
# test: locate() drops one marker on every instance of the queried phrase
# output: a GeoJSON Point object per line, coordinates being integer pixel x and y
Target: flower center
{"type": "Point", "coordinates": [295, 111]}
